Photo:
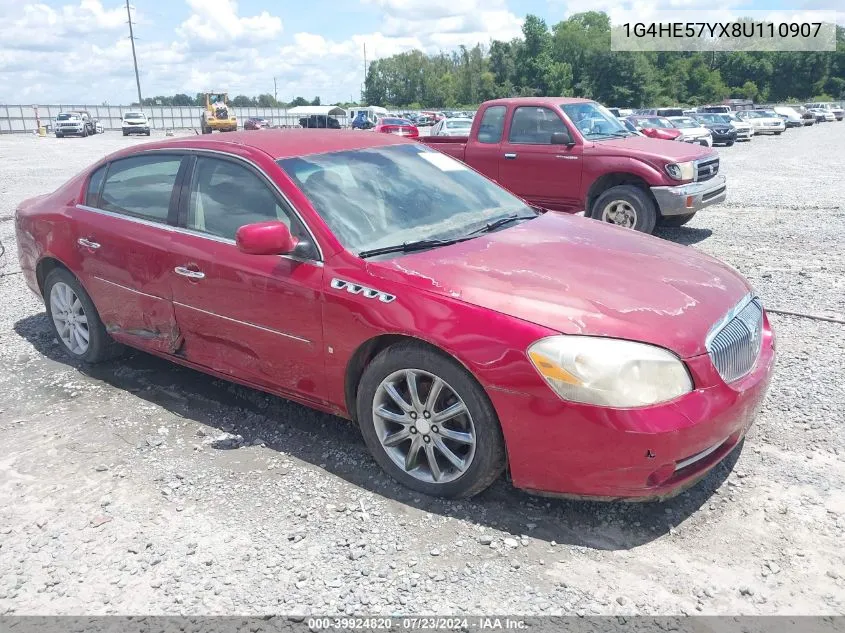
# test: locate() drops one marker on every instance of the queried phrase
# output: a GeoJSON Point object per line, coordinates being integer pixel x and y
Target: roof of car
{"type": "Point", "coordinates": [537, 100]}
{"type": "Point", "coordinates": [281, 143]}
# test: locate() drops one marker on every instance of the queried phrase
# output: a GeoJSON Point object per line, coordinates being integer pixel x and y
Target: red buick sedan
{"type": "Point", "coordinates": [374, 278]}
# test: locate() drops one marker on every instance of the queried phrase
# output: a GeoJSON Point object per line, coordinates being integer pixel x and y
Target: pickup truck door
{"type": "Point", "coordinates": [533, 168]}
{"type": "Point", "coordinates": [483, 148]}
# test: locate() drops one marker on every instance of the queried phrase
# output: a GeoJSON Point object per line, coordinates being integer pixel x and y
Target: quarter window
{"type": "Point", "coordinates": [535, 126]}
{"type": "Point", "coordinates": [140, 186]}
{"type": "Point", "coordinates": [492, 124]}
{"type": "Point", "coordinates": [92, 196]}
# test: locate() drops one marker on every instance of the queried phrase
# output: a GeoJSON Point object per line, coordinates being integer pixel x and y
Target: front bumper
{"type": "Point", "coordinates": [566, 449]}
{"type": "Point", "coordinates": [70, 129]}
{"type": "Point", "coordinates": [140, 129]}
{"type": "Point", "coordinates": [692, 197]}
{"type": "Point", "coordinates": [724, 138]}
{"type": "Point", "coordinates": [769, 129]}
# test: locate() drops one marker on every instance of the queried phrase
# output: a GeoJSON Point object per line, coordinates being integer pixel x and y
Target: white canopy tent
{"type": "Point", "coordinates": [325, 110]}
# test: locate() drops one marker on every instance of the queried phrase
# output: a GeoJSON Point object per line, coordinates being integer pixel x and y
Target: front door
{"type": "Point", "coordinates": [530, 166]}
{"type": "Point", "coordinates": [254, 317]}
{"type": "Point", "coordinates": [124, 233]}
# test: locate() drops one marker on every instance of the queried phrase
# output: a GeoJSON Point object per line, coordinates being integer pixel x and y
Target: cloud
{"type": "Point", "coordinates": [79, 51]}
{"type": "Point", "coordinates": [217, 22]}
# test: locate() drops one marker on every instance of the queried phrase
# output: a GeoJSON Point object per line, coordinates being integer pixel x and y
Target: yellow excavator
{"type": "Point", "coordinates": [218, 114]}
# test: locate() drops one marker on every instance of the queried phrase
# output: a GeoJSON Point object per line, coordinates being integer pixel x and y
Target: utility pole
{"type": "Point", "coordinates": [134, 57]}
{"type": "Point", "coordinates": [275, 94]}
{"type": "Point", "coordinates": [365, 66]}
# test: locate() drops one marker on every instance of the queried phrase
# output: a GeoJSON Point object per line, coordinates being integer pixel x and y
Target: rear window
{"type": "Point", "coordinates": [492, 125]}
{"type": "Point", "coordinates": [395, 122]}
{"type": "Point", "coordinates": [459, 125]}
{"type": "Point", "coordinates": [141, 186]}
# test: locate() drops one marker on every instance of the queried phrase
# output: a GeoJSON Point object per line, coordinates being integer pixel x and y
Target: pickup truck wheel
{"type": "Point", "coordinates": [75, 320]}
{"type": "Point", "coordinates": [627, 206]}
{"type": "Point", "coordinates": [676, 220]}
{"type": "Point", "coordinates": [428, 423]}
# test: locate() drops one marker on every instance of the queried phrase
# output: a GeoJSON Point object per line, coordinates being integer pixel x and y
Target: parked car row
{"type": "Point", "coordinates": [466, 330]}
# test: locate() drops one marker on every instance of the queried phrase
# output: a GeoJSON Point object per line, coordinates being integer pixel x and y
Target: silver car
{"type": "Point", "coordinates": [452, 127]}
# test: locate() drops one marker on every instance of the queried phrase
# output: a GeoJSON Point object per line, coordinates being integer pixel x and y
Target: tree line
{"type": "Point", "coordinates": [573, 58]}
{"type": "Point", "coordinates": [240, 101]}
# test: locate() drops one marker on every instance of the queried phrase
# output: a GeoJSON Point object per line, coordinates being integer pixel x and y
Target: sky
{"type": "Point", "coordinates": [78, 51]}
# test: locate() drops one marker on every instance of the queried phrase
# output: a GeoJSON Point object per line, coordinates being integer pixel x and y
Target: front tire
{"type": "Point", "coordinates": [729, 143]}
{"type": "Point", "coordinates": [778, 133]}
{"type": "Point", "coordinates": [628, 206]}
{"type": "Point", "coordinates": [74, 319]}
{"type": "Point", "coordinates": [428, 423]}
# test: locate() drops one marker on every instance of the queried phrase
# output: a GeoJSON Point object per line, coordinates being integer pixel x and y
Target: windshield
{"type": "Point", "coordinates": [654, 122]}
{"type": "Point", "coordinates": [594, 121]}
{"type": "Point", "coordinates": [132, 115]}
{"type": "Point", "coordinates": [714, 118]}
{"type": "Point", "coordinates": [459, 125]}
{"type": "Point", "coordinates": [381, 196]}
{"type": "Point", "coordinates": [684, 122]}
{"type": "Point", "coordinates": [67, 117]}
{"type": "Point", "coordinates": [756, 114]}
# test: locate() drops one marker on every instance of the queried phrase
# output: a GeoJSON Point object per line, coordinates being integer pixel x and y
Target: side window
{"type": "Point", "coordinates": [492, 124]}
{"type": "Point", "coordinates": [534, 125]}
{"type": "Point", "coordinates": [141, 186]}
{"type": "Point", "coordinates": [225, 196]}
{"type": "Point", "coordinates": [92, 195]}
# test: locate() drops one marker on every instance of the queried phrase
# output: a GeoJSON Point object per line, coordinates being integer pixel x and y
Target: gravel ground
{"type": "Point", "coordinates": [118, 495]}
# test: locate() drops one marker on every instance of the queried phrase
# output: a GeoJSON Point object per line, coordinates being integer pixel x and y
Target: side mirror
{"type": "Point", "coordinates": [562, 138]}
{"type": "Point", "coordinates": [265, 238]}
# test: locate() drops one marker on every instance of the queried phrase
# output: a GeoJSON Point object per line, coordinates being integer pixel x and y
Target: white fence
{"type": "Point", "coordinates": [22, 118]}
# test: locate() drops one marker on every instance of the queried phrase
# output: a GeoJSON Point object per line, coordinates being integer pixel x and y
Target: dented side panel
{"type": "Point", "coordinates": [128, 277]}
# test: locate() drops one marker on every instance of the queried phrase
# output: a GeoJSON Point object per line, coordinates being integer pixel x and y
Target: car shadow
{"type": "Point", "coordinates": [336, 446]}
{"type": "Point", "coordinates": [686, 235]}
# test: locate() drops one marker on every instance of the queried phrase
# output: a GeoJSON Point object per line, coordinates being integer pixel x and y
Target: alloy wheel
{"type": "Point", "coordinates": [69, 318]}
{"type": "Point", "coordinates": [621, 213]}
{"type": "Point", "coordinates": [424, 426]}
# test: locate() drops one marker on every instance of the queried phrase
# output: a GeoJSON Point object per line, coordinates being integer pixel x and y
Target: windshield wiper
{"type": "Point", "coordinates": [495, 224]}
{"type": "Point", "coordinates": [408, 247]}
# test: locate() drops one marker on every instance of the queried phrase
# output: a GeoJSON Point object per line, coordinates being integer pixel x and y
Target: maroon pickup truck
{"type": "Point", "coordinates": [573, 155]}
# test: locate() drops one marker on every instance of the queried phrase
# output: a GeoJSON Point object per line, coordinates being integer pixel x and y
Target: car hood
{"type": "Point", "coordinates": [579, 276]}
{"type": "Point", "coordinates": [670, 151]}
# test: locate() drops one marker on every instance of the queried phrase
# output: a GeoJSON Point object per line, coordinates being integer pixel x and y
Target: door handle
{"type": "Point", "coordinates": [87, 243]}
{"type": "Point", "coordinates": [510, 156]}
{"type": "Point", "coordinates": [186, 272]}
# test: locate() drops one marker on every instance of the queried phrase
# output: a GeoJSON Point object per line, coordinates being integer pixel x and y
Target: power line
{"type": "Point", "coordinates": [134, 56]}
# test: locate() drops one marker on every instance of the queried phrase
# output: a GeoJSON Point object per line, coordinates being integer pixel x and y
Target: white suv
{"type": "Point", "coordinates": [135, 123]}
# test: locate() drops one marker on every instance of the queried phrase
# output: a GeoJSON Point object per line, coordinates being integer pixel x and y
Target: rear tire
{"type": "Point", "coordinates": [475, 438]}
{"type": "Point", "coordinates": [676, 220]}
{"type": "Point", "coordinates": [628, 206]}
{"type": "Point", "coordinates": [63, 295]}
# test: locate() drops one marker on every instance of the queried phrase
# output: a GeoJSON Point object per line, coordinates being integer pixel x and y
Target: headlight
{"type": "Point", "coordinates": [609, 372]}
{"type": "Point", "coordinates": [681, 171]}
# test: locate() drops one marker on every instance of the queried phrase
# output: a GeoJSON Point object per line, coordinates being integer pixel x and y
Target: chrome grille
{"type": "Point", "coordinates": [706, 169]}
{"type": "Point", "coordinates": [734, 344]}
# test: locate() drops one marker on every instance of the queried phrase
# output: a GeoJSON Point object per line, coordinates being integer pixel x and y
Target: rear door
{"type": "Point", "coordinates": [124, 231]}
{"type": "Point", "coordinates": [531, 167]}
{"type": "Point", "coordinates": [254, 317]}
